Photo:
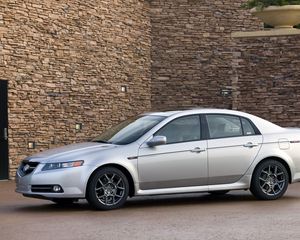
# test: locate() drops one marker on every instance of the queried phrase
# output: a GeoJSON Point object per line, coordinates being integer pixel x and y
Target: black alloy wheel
{"type": "Point", "coordinates": [107, 189]}
{"type": "Point", "coordinates": [270, 180]}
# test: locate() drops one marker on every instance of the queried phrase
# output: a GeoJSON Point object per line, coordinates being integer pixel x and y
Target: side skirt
{"type": "Point", "coordinates": [243, 183]}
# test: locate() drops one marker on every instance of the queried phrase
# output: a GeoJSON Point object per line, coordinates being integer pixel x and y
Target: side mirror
{"type": "Point", "coordinates": [157, 140]}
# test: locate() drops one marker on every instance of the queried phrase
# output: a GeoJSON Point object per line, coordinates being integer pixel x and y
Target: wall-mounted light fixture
{"type": "Point", "coordinates": [31, 145]}
{"type": "Point", "coordinates": [226, 92]}
{"type": "Point", "coordinates": [53, 140]}
{"type": "Point", "coordinates": [78, 126]}
{"type": "Point", "coordinates": [124, 88]}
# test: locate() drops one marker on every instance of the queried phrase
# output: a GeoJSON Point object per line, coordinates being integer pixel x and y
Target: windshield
{"type": "Point", "coordinates": [130, 130]}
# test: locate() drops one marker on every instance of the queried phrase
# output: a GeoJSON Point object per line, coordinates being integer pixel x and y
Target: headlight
{"type": "Point", "coordinates": [53, 166]}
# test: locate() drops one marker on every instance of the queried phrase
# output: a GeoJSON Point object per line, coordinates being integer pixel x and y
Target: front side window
{"type": "Point", "coordinates": [129, 130]}
{"type": "Point", "coordinates": [222, 126]}
{"type": "Point", "coordinates": [183, 129]}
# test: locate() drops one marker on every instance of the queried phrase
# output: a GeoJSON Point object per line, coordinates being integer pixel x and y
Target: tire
{"type": "Point", "coordinates": [64, 201]}
{"type": "Point", "coordinates": [270, 180]}
{"type": "Point", "coordinates": [107, 189]}
{"type": "Point", "coordinates": [219, 193]}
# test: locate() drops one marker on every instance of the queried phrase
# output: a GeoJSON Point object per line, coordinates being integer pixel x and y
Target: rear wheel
{"type": "Point", "coordinates": [270, 180]}
{"type": "Point", "coordinates": [108, 189]}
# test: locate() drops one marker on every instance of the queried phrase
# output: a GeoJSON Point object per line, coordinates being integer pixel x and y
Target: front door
{"type": "Point", "coordinates": [3, 131]}
{"type": "Point", "coordinates": [182, 162]}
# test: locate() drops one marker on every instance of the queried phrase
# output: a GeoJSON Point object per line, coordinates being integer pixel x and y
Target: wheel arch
{"type": "Point", "coordinates": [122, 169]}
{"type": "Point", "coordinates": [281, 160]}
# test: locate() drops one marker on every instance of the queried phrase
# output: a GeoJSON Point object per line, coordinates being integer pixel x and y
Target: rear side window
{"type": "Point", "coordinates": [222, 126]}
{"type": "Point", "coordinates": [248, 128]}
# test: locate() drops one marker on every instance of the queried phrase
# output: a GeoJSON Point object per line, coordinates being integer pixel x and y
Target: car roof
{"type": "Point", "coordinates": [263, 125]}
{"type": "Point", "coordinates": [197, 111]}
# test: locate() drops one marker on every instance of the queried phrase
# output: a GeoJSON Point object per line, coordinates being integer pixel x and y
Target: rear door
{"type": "Point", "coordinates": [233, 144]}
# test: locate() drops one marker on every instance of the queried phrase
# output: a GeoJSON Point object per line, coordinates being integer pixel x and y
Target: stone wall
{"type": "Point", "coordinates": [268, 78]}
{"type": "Point", "coordinates": [192, 51]}
{"type": "Point", "coordinates": [65, 62]}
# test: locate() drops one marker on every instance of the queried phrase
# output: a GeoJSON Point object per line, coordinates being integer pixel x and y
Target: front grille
{"type": "Point", "coordinates": [27, 167]}
{"type": "Point", "coordinates": [45, 189]}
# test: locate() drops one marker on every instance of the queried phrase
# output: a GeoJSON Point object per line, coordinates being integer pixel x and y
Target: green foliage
{"type": "Point", "coordinates": [260, 4]}
{"type": "Point", "coordinates": [297, 26]}
{"type": "Point", "coordinates": [269, 26]}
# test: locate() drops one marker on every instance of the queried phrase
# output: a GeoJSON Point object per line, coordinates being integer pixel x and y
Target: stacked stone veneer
{"type": "Point", "coordinates": [192, 51]}
{"type": "Point", "coordinates": [267, 79]}
{"type": "Point", "coordinates": [65, 62]}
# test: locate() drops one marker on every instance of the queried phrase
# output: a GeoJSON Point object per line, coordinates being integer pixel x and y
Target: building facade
{"type": "Point", "coordinates": [74, 68]}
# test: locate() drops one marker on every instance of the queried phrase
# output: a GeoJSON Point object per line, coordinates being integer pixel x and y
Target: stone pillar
{"type": "Point", "coordinates": [267, 70]}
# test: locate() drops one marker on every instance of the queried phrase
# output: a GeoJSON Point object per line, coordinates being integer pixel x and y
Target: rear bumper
{"type": "Point", "coordinates": [296, 177]}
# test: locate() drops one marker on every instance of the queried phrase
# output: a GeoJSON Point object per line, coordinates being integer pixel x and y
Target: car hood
{"type": "Point", "coordinates": [71, 151]}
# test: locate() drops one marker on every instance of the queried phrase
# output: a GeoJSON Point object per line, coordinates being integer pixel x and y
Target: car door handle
{"type": "Point", "coordinates": [198, 150]}
{"type": "Point", "coordinates": [250, 145]}
{"type": "Point", "coordinates": [5, 134]}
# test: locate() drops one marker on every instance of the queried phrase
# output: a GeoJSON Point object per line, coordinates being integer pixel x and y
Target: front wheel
{"type": "Point", "coordinates": [108, 189]}
{"type": "Point", "coordinates": [269, 180]}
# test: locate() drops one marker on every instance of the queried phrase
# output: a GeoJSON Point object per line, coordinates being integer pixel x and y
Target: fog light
{"type": "Point", "coordinates": [56, 188]}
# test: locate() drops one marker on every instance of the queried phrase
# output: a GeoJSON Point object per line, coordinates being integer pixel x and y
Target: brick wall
{"type": "Point", "coordinates": [268, 78]}
{"type": "Point", "coordinates": [65, 62]}
{"type": "Point", "coordinates": [192, 51]}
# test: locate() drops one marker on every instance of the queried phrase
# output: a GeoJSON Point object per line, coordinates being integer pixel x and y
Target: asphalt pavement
{"type": "Point", "coordinates": [236, 215]}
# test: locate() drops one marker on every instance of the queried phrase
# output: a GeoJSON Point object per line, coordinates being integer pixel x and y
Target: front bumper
{"type": "Point", "coordinates": [72, 180]}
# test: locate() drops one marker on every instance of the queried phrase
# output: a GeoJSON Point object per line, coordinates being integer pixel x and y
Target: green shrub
{"type": "Point", "coordinates": [260, 4]}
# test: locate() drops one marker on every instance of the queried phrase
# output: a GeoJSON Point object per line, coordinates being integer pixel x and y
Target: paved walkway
{"type": "Point", "coordinates": [195, 216]}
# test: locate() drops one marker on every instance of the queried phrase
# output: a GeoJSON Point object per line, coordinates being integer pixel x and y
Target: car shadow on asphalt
{"type": "Point", "coordinates": [156, 202]}
{"type": "Point", "coordinates": [189, 199]}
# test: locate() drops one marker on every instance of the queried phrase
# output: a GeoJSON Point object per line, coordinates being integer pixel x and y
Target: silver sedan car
{"type": "Point", "coordinates": [199, 150]}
